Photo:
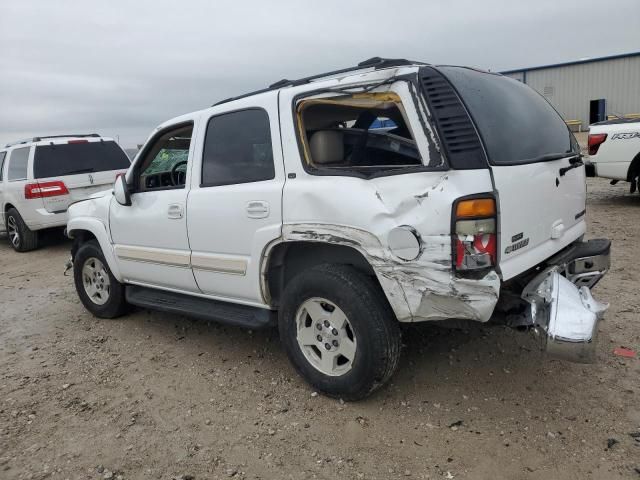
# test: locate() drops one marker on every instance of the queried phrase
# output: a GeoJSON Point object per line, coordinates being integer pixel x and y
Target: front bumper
{"type": "Point", "coordinates": [561, 303]}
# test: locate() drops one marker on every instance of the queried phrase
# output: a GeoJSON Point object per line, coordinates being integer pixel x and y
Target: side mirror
{"type": "Point", "coordinates": [121, 191]}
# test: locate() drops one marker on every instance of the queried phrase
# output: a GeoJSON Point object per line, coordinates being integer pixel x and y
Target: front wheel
{"type": "Point", "coordinates": [339, 331]}
{"type": "Point", "coordinates": [97, 288]}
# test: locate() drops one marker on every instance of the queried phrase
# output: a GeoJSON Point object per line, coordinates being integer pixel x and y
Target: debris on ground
{"type": "Point", "coordinates": [624, 352]}
{"type": "Point", "coordinates": [455, 425]}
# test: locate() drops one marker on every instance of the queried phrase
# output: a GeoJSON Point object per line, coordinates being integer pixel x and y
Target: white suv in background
{"type": "Point", "coordinates": [42, 176]}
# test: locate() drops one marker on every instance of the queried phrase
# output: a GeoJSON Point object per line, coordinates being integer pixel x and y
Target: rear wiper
{"type": "Point", "coordinates": [550, 157]}
{"type": "Point", "coordinates": [81, 170]}
{"type": "Point", "coordinates": [574, 162]}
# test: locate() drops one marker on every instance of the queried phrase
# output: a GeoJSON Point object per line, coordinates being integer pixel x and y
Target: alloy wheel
{"type": "Point", "coordinates": [12, 230]}
{"type": "Point", "coordinates": [95, 280]}
{"type": "Point", "coordinates": [325, 336]}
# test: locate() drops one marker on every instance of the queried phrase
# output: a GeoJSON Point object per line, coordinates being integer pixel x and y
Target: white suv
{"type": "Point", "coordinates": [41, 177]}
{"type": "Point", "coordinates": [344, 204]}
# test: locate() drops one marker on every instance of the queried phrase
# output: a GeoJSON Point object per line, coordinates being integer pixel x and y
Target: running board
{"type": "Point", "coordinates": [203, 308]}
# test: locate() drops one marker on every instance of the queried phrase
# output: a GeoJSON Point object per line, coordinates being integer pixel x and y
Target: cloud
{"type": "Point", "coordinates": [121, 67]}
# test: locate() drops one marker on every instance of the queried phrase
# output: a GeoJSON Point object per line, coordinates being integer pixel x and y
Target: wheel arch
{"type": "Point", "coordinates": [79, 237]}
{"type": "Point", "coordinates": [286, 259]}
{"type": "Point", "coordinates": [634, 167]}
{"type": "Point", "coordinates": [3, 214]}
{"type": "Point", "coordinates": [85, 229]}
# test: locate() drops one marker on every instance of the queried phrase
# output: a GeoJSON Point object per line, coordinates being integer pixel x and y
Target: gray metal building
{"type": "Point", "coordinates": [573, 88]}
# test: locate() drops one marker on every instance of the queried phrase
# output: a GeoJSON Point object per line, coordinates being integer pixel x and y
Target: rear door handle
{"type": "Point", "coordinates": [175, 211]}
{"type": "Point", "coordinates": [257, 209]}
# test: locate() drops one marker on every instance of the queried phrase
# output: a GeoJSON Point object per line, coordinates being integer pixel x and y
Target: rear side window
{"type": "Point", "coordinates": [2, 155]}
{"type": "Point", "coordinates": [516, 123]}
{"type": "Point", "coordinates": [237, 149]}
{"type": "Point", "coordinates": [365, 135]}
{"type": "Point", "coordinates": [73, 158]}
{"type": "Point", "coordinates": [18, 164]}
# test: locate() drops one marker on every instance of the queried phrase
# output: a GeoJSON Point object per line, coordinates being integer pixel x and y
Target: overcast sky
{"type": "Point", "coordinates": [120, 67]}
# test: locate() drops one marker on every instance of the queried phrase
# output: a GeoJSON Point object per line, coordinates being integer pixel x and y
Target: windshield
{"type": "Point", "coordinates": [517, 124]}
{"type": "Point", "coordinates": [74, 158]}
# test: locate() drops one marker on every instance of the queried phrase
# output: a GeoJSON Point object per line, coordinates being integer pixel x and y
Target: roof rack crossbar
{"type": "Point", "coordinates": [374, 62]}
{"type": "Point", "coordinates": [40, 138]}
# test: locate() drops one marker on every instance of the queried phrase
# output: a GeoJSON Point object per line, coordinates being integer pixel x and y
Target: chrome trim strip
{"type": "Point", "coordinates": [217, 263]}
{"type": "Point", "coordinates": [173, 258]}
{"type": "Point", "coordinates": [179, 258]}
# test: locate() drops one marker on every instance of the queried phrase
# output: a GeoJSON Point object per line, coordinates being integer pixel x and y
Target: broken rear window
{"type": "Point", "coordinates": [366, 133]}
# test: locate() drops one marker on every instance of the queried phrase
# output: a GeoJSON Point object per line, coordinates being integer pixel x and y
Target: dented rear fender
{"type": "Point", "coordinates": [423, 289]}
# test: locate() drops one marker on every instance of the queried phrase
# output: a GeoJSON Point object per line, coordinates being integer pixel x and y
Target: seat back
{"type": "Point", "coordinates": [327, 147]}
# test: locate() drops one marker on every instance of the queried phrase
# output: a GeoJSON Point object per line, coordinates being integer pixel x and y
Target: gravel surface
{"type": "Point", "coordinates": [154, 395]}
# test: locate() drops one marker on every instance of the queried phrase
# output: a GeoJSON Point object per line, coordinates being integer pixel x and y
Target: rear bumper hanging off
{"type": "Point", "coordinates": [568, 314]}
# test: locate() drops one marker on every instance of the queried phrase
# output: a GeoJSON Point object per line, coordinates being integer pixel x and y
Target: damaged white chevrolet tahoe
{"type": "Point", "coordinates": [345, 203]}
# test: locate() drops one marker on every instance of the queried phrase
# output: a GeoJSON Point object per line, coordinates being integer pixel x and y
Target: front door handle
{"type": "Point", "coordinates": [257, 209]}
{"type": "Point", "coordinates": [175, 211]}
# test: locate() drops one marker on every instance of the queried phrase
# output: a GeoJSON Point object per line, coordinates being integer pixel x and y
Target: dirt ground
{"type": "Point", "coordinates": [154, 395]}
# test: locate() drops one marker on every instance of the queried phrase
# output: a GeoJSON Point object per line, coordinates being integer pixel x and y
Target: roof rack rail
{"type": "Point", "coordinates": [374, 62]}
{"type": "Point", "coordinates": [18, 142]}
{"type": "Point", "coordinates": [94, 135]}
{"type": "Point", "coordinates": [38, 139]}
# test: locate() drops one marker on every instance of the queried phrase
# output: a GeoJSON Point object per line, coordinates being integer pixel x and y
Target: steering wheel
{"type": "Point", "coordinates": [175, 175]}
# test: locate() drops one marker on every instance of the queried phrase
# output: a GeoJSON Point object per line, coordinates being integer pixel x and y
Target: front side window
{"type": "Point", "coordinates": [237, 149]}
{"type": "Point", "coordinates": [365, 133]}
{"type": "Point", "coordinates": [18, 162]}
{"type": "Point", "coordinates": [164, 164]}
{"type": "Point", "coordinates": [2, 155]}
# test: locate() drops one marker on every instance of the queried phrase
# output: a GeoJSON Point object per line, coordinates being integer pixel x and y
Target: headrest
{"type": "Point", "coordinates": [327, 146]}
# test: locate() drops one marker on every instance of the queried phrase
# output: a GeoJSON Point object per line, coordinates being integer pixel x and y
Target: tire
{"type": "Point", "coordinates": [370, 335]}
{"type": "Point", "coordinates": [22, 239]}
{"type": "Point", "coordinates": [97, 288]}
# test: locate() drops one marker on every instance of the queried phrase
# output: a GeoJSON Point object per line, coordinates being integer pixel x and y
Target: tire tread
{"type": "Point", "coordinates": [28, 237]}
{"type": "Point", "coordinates": [371, 299]}
{"type": "Point", "coordinates": [116, 306]}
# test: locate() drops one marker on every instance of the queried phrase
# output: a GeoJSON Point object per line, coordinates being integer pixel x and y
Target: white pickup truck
{"type": "Point", "coordinates": [341, 205]}
{"type": "Point", "coordinates": [614, 151]}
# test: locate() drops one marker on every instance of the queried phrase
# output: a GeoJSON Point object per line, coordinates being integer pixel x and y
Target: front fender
{"type": "Point", "coordinates": [99, 230]}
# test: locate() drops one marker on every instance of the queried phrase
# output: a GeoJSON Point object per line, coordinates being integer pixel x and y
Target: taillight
{"type": "Point", "coordinates": [45, 189]}
{"type": "Point", "coordinates": [595, 140]}
{"type": "Point", "coordinates": [475, 241]}
{"type": "Point", "coordinates": [72, 142]}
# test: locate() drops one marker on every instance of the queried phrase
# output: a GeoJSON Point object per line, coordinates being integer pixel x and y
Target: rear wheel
{"type": "Point", "coordinates": [21, 237]}
{"type": "Point", "coordinates": [339, 331]}
{"type": "Point", "coordinates": [97, 288]}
